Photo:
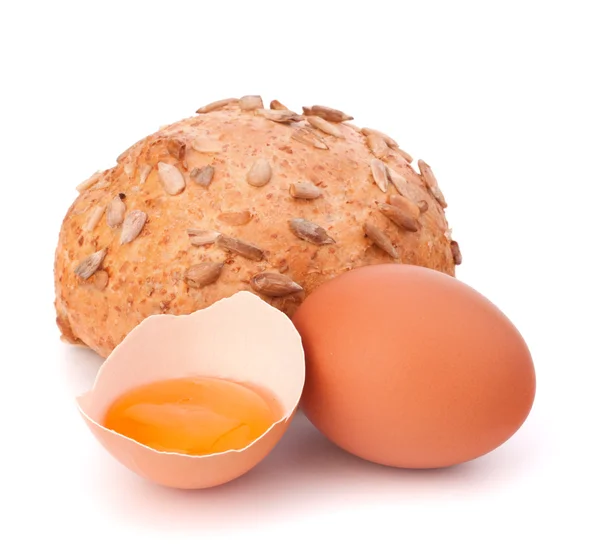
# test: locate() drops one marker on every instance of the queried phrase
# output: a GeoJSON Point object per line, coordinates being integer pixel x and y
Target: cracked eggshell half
{"type": "Point", "coordinates": [240, 338]}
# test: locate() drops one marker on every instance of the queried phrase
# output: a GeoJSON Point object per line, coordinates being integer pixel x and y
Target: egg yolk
{"type": "Point", "coordinates": [194, 416]}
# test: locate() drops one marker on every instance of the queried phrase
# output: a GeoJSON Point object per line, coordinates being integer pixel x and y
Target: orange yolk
{"type": "Point", "coordinates": [195, 416]}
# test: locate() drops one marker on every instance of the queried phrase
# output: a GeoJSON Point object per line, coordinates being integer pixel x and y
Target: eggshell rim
{"type": "Point", "coordinates": [242, 293]}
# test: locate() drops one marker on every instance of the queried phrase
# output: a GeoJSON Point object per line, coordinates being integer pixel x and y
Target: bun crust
{"type": "Point", "coordinates": [251, 188]}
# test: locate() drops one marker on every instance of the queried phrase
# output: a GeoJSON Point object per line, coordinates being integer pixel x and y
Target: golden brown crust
{"type": "Point", "coordinates": [147, 275]}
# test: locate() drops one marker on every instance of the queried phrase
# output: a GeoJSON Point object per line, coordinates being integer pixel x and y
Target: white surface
{"type": "Point", "coordinates": [500, 98]}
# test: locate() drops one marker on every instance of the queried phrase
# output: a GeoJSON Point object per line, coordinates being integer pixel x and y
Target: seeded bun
{"type": "Point", "coordinates": [240, 197]}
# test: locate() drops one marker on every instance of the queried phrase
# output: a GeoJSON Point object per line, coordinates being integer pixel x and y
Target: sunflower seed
{"type": "Point", "coordinates": [100, 279]}
{"type": "Point", "coordinates": [88, 266]}
{"type": "Point", "coordinates": [274, 284]}
{"type": "Point", "coordinates": [260, 173]}
{"type": "Point", "coordinates": [406, 205]}
{"type": "Point", "coordinates": [307, 136]}
{"type": "Point", "coordinates": [355, 128]}
{"type": "Point", "coordinates": [405, 155]}
{"type": "Point", "coordinates": [308, 231]}
{"type": "Point", "coordinates": [304, 190]}
{"type": "Point", "coordinates": [132, 225]}
{"type": "Point", "coordinates": [129, 169]}
{"type": "Point", "coordinates": [115, 212]}
{"type": "Point", "coordinates": [240, 218]}
{"type": "Point", "coordinates": [325, 126]}
{"type": "Point", "coordinates": [216, 105]}
{"type": "Point", "coordinates": [144, 172]}
{"type": "Point", "coordinates": [171, 178]}
{"type": "Point", "coordinates": [207, 146]}
{"type": "Point", "coordinates": [380, 239]}
{"type": "Point", "coordinates": [251, 102]}
{"type": "Point", "coordinates": [125, 153]}
{"type": "Point", "coordinates": [100, 185]}
{"type": "Point", "coordinates": [240, 247]}
{"type": "Point", "coordinates": [202, 237]}
{"type": "Point", "coordinates": [380, 174]}
{"type": "Point", "coordinates": [330, 114]}
{"type": "Point", "coordinates": [93, 218]}
{"type": "Point", "coordinates": [89, 182]}
{"type": "Point", "coordinates": [377, 146]}
{"type": "Point", "coordinates": [280, 116]}
{"type": "Point", "coordinates": [388, 140]}
{"type": "Point", "coordinates": [203, 176]}
{"type": "Point", "coordinates": [276, 105]}
{"type": "Point", "coordinates": [456, 254]}
{"type": "Point", "coordinates": [423, 206]}
{"type": "Point", "coordinates": [176, 148]}
{"type": "Point", "coordinates": [201, 275]}
{"type": "Point", "coordinates": [399, 182]}
{"type": "Point", "coordinates": [398, 217]}
{"type": "Point", "coordinates": [431, 182]}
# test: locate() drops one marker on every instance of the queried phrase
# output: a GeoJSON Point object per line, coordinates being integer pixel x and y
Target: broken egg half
{"type": "Point", "coordinates": [239, 341]}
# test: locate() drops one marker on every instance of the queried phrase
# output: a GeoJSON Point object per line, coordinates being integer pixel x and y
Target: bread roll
{"type": "Point", "coordinates": [240, 197]}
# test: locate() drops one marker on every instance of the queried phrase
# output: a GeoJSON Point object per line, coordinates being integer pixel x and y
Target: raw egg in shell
{"type": "Point", "coordinates": [194, 401]}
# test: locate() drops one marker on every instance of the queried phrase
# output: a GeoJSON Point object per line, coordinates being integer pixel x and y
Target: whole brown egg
{"type": "Point", "coordinates": [410, 367]}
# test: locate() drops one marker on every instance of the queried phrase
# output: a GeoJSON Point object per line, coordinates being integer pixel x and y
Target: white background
{"type": "Point", "coordinates": [501, 98]}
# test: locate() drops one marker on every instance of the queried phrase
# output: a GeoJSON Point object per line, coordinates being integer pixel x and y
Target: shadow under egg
{"type": "Point", "coordinates": [305, 472]}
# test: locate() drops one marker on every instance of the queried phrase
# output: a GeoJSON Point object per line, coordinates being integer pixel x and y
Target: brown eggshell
{"type": "Point", "coordinates": [409, 367]}
{"type": "Point", "coordinates": [240, 338]}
